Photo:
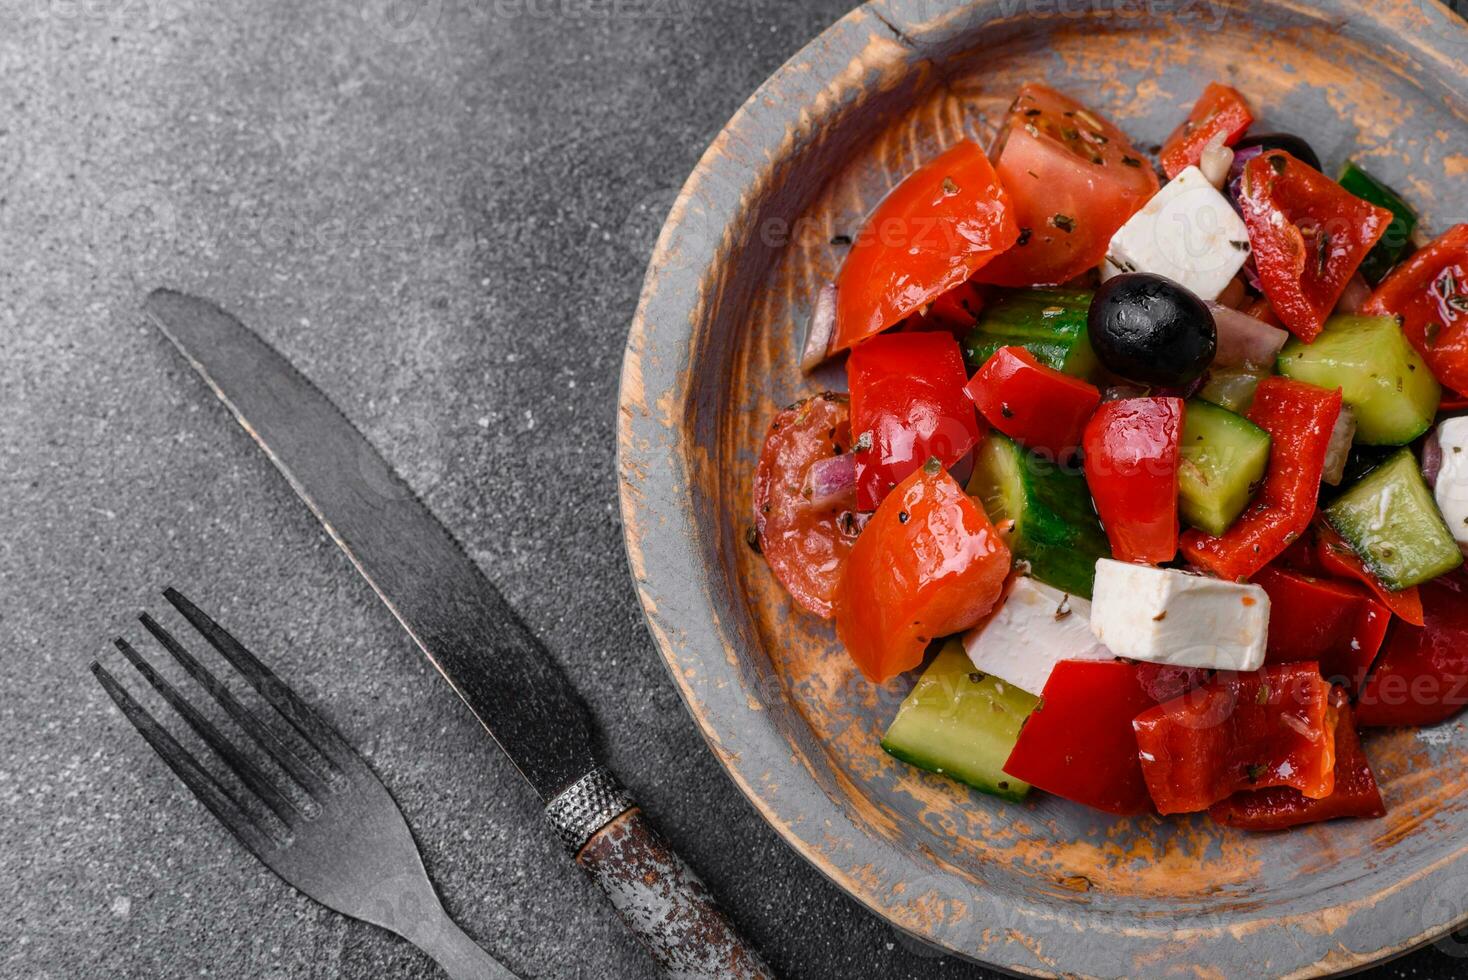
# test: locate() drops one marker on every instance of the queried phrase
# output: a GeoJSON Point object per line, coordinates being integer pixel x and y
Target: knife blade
{"type": "Point", "coordinates": [490, 658]}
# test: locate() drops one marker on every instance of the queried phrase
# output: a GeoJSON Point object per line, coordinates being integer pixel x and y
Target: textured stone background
{"type": "Point", "coordinates": [442, 217]}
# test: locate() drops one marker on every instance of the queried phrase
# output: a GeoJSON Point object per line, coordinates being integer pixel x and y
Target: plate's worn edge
{"type": "Point", "coordinates": [658, 427]}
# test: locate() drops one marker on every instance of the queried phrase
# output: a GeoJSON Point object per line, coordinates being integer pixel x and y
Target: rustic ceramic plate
{"type": "Point", "coordinates": [1045, 887]}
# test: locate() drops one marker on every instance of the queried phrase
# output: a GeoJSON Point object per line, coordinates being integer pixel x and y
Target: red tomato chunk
{"type": "Point", "coordinates": [804, 541]}
{"type": "Point", "coordinates": [1073, 178]}
{"type": "Point", "coordinates": [927, 564]}
{"type": "Point", "coordinates": [942, 224]}
{"type": "Point", "coordinates": [907, 406]}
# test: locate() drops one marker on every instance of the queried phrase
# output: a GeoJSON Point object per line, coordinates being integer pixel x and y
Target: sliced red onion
{"type": "Point", "coordinates": [1356, 294]}
{"type": "Point", "coordinates": [1432, 458]}
{"type": "Point", "coordinates": [1339, 447]}
{"type": "Point", "coordinates": [1243, 340]}
{"type": "Point", "coordinates": [820, 329]}
{"type": "Point", "coordinates": [830, 481]}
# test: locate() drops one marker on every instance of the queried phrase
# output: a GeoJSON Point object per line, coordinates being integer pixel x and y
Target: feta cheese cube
{"type": "Point", "coordinates": [1032, 630]}
{"type": "Point", "coordinates": [1170, 617]}
{"type": "Point", "coordinates": [1451, 489]}
{"type": "Point", "coordinates": [1188, 232]}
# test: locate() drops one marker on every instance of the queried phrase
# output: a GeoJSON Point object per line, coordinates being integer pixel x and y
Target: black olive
{"type": "Point", "coordinates": [1289, 142]}
{"type": "Point", "coordinates": [1149, 329]}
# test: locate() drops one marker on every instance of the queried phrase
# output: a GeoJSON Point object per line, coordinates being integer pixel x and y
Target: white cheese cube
{"type": "Point", "coordinates": [1188, 232]}
{"type": "Point", "coordinates": [1452, 480]}
{"type": "Point", "coordinates": [1034, 628]}
{"type": "Point", "coordinates": [1170, 617]}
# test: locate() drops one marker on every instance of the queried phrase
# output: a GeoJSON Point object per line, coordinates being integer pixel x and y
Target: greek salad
{"type": "Point", "coordinates": [1150, 473]}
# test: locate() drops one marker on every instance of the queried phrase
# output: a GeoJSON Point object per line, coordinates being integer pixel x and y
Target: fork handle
{"type": "Point", "coordinates": [659, 897]}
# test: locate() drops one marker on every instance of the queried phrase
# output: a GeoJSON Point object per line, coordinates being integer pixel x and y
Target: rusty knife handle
{"type": "Point", "coordinates": [659, 897]}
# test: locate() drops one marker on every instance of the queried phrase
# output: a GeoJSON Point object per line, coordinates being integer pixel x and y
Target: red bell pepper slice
{"type": "Point", "coordinates": [1220, 111]}
{"type": "Point", "coordinates": [1336, 558]}
{"type": "Point", "coordinates": [1337, 624]}
{"type": "Point", "coordinates": [1429, 292]}
{"type": "Point", "coordinates": [1356, 793]}
{"type": "Point", "coordinates": [907, 406]}
{"type": "Point", "coordinates": [1037, 405]}
{"type": "Point", "coordinates": [1421, 675]}
{"type": "Point", "coordinates": [1270, 727]}
{"type": "Point", "coordinates": [1078, 744]}
{"type": "Point", "coordinates": [1132, 447]}
{"type": "Point", "coordinates": [927, 564]}
{"type": "Point", "coordinates": [938, 227]}
{"type": "Point", "coordinates": [1299, 418]}
{"type": "Point", "coordinates": [1308, 234]}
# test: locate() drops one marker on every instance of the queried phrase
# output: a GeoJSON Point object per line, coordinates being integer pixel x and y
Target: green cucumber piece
{"type": "Point", "coordinates": [1391, 521]}
{"type": "Point", "coordinates": [1232, 388]}
{"type": "Point", "coordinates": [960, 723]}
{"type": "Point", "coordinates": [1224, 457]}
{"type": "Point", "coordinates": [1049, 323]}
{"type": "Point", "coordinates": [1380, 376]}
{"type": "Point", "coordinates": [1055, 527]}
{"type": "Point", "coordinates": [1388, 251]}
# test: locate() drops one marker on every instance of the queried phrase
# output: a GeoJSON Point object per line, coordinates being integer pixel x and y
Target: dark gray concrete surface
{"type": "Point", "coordinates": [440, 210]}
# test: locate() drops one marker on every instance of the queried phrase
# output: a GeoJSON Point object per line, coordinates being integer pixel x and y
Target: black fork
{"type": "Point", "coordinates": [337, 835]}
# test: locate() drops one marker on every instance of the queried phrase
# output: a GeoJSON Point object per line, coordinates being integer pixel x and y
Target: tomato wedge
{"type": "Point", "coordinates": [1355, 795]}
{"type": "Point", "coordinates": [928, 564]}
{"type": "Point", "coordinates": [1271, 727]}
{"type": "Point", "coordinates": [934, 230]}
{"type": "Point", "coordinates": [1132, 451]}
{"type": "Point", "coordinates": [804, 540]}
{"type": "Point", "coordinates": [1034, 404]}
{"type": "Point", "coordinates": [1073, 178]}
{"type": "Point", "coordinates": [1299, 418]}
{"type": "Point", "coordinates": [1430, 293]}
{"type": "Point", "coordinates": [1309, 235]}
{"type": "Point", "coordinates": [1220, 112]}
{"type": "Point", "coordinates": [907, 406]}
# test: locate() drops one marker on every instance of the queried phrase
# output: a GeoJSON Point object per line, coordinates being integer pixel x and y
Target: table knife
{"type": "Point", "coordinates": [469, 632]}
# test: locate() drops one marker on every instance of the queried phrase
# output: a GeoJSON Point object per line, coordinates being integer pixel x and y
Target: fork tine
{"type": "Point", "coordinates": [205, 787]}
{"type": "Point", "coordinates": [311, 727]}
{"type": "Point", "coordinates": [243, 716]}
{"type": "Point", "coordinates": [249, 773]}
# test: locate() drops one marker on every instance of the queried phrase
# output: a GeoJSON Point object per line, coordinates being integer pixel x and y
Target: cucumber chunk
{"type": "Point", "coordinates": [1055, 527]}
{"type": "Point", "coordinates": [960, 723]}
{"type": "Point", "coordinates": [1388, 251]}
{"type": "Point", "coordinates": [1223, 459]}
{"type": "Point", "coordinates": [1391, 521]}
{"type": "Point", "coordinates": [1049, 323]}
{"type": "Point", "coordinates": [1380, 376]}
